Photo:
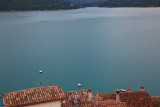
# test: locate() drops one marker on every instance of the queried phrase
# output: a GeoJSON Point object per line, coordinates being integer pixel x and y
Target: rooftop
{"type": "Point", "coordinates": [79, 94]}
{"type": "Point", "coordinates": [155, 98]}
{"type": "Point", "coordinates": [111, 103]}
{"type": "Point", "coordinates": [33, 95]}
{"type": "Point", "coordinates": [79, 98]}
{"type": "Point", "coordinates": [132, 98]}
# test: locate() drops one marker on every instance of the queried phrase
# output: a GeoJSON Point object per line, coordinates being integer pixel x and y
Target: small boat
{"type": "Point", "coordinates": [40, 71]}
{"type": "Point", "coordinates": [79, 84]}
{"type": "Point", "coordinates": [123, 90]}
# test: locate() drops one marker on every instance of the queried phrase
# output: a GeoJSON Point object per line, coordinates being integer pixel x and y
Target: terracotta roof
{"type": "Point", "coordinates": [110, 103]}
{"type": "Point", "coordinates": [80, 104]}
{"type": "Point", "coordinates": [136, 98]}
{"type": "Point", "coordinates": [133, 98]}
{"type": "Point", "coordinates": [78, 99]}
{"type": "Point", "coordinates": [156, 101]}
{"type": "Point", "coordinates": [80, 94]}
{"type": "Point", "coordinates": [33, 95]}
{"type": "Point", "coordinates": [108, 96]}
{"type": "Point", "coordinates": [155, 98]}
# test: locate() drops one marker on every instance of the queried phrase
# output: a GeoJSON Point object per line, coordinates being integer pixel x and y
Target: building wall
{"type": "Point", "coordinates": [3, 102]}
{"type": "Point", "coordinates": [48, 104]}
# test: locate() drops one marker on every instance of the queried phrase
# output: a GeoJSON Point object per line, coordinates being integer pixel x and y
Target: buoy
{"type": "Point", "coordinates": [79, 84]}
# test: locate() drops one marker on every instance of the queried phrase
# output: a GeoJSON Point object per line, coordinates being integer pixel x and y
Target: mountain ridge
{"type": "Point", "coordinates": [6, 5]}
{"type": "Point", "coordinates": [25, 5]}
{"type": "Point", "coordinates": [130, 3]}
{"type": "Point", "coordinates": [84, 1]}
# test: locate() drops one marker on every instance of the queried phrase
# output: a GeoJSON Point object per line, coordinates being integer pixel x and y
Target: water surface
{"type": "Point", "coordinates": [102, 48]}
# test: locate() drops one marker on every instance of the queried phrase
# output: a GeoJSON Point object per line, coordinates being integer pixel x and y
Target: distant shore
{"type": "Point", "coordinates": [132, 7]}
{"type": "Point", "coordinates": [76, 8]}
{"type": "Point", "coordinates": [43, 10]}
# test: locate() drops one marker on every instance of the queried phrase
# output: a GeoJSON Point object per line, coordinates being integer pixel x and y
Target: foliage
{"type": "Point", "coordinates": [117, 3]}
{"type": "Point", "coordinates": [130, 3]}
{"type": "Point", "coordinates": [35, 5]}
{"type": "Point", "coordinates": [87, 2]}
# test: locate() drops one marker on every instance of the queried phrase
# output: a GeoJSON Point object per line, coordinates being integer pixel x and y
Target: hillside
{"type": "Point", "coordinates": [130, 3]}
{"type": "Point", "coordinates": [117, 3]}
{"type": "Point", "coordinates": [6, 5]}
{"type": "Point", "coordinates": [85, 1]}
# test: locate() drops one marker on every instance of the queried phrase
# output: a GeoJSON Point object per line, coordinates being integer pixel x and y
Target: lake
{"type": "Point", "coordinates": [101, 48]}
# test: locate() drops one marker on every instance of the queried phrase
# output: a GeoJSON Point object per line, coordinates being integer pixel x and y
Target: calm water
{"type": "Point", "coordinates": [102, 48]}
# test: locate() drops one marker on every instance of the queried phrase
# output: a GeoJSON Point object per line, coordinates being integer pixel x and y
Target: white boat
{"type": "Point", "coordinates": [40, 71]}
{"type": "Point", "coordinates": [123, 90]}
{"type": "Point", "coordinates": [79, 84]}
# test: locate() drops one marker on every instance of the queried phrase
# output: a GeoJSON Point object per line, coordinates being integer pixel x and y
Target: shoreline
{"type": "Point", "coordinates": [130, 7]}
{"type": "Point", "coordinates": [37, 10]}
{"type": "Point", "coordinates": [73, 9]}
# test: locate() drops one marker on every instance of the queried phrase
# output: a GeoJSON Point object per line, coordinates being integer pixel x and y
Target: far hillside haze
{"type": "Point", "coordinates": [85, 1]}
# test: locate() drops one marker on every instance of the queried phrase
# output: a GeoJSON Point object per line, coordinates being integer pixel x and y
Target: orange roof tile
{"type": "Point", "coordinates": [80, 94]}
{"type": "Point", "coordinates": [80, 104]}
{"type": "Point", "coordinates": [111, 104]}
{"type": "Point", "coordinates": [155, 98]}
{"type": "Point", "coordinates": [136, 98]}
{"type": "Point", "coordinates": [156, 101]}
{"type": "Point", "coordinates": [81, 97]}
{"type": "Point", "coordinates": [33, 95]}
{"type": "Point", "coordinates": [133, 98]}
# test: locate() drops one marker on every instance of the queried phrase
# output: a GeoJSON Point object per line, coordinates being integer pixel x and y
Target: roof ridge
{"type": "Point", "coordinates": [33, 95]}
{"type": "Point", "coordinates": [33, 88]}
{"type": "Point", "coordinates": [127, 92]}
{"type": "Point", "coordinates": [76, 90]}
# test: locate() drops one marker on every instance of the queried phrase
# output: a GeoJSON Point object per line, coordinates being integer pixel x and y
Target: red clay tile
{"type": "Point", "coordinates": [33, 95]}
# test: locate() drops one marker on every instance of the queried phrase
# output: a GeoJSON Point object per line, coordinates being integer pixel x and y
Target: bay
{"type": "Point", "coordinates": [101, 48]}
